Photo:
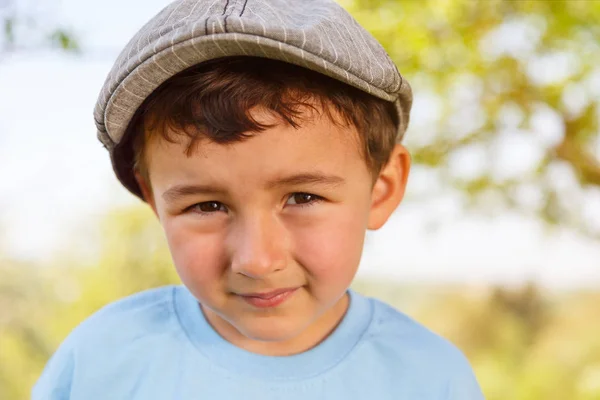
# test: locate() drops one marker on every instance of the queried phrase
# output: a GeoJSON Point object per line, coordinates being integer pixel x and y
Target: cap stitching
{"type": "Point", "coordinates": [243, 8]}
{"type": "Point", "coordinates": [224, 11]}
{"type": "Point", "coordinates": [232, 8]}
{"type": "Point", "coordinates": [225, 8]}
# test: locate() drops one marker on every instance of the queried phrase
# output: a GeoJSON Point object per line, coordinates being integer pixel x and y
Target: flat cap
{"type": "Point", "coordinates": [316, 34]}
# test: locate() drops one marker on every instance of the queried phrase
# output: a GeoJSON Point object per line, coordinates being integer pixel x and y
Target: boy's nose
{"type": "Point", "coordinates": [258, 247]}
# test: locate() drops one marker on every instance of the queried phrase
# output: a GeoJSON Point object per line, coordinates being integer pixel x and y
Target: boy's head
{"type": "Point", "coordinates": [264, 175]}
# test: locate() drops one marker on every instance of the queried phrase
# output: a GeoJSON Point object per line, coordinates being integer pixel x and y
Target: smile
{"type": "Point", "coordinates": [268, 299]}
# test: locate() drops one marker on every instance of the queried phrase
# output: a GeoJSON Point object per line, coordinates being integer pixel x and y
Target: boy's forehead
{"type": "Point", "coordinates": [317, 142]}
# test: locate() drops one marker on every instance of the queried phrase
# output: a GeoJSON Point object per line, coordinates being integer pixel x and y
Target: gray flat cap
{"type": "Point", "coordinates": [316, 34]}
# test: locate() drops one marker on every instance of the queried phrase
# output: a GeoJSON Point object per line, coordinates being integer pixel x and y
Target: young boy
{"type": "Point", "coordinates": [264, 134]}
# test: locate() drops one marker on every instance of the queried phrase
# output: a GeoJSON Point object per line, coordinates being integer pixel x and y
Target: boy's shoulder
{"type": "Point", "coordinates": [114, 340]}
{"type": "Point", "coordinates": [400, 340]}
{"type": "Point", "coordinates": [147, 313]}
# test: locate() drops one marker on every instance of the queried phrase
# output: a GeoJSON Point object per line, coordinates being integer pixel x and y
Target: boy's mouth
{"type": "Point", "coordinates": [268, 299]}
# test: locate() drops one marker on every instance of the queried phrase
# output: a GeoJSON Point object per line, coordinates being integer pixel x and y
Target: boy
{"type": "Point", "coordinates": [264, 134]}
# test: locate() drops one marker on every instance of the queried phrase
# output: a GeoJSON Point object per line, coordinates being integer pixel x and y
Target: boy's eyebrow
{"type": "Point", "coordinates": [307, 178]}
{"type": "Point", "coordinates": [178, 191]}
{"type": "Point", "coordinates": [299, 179]}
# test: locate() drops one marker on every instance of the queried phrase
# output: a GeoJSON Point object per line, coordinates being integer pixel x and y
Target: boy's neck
{"type": "Point", "coordinates": [318, 331]}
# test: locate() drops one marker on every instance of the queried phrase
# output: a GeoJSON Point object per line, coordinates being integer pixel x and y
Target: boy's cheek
{"type": "Point", "coordinates": [198, 258]}
{"type": "Point", "coordinates": [333, 250]}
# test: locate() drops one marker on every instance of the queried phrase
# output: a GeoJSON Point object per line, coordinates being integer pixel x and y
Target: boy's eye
{"type": "Point", "coordinates": [209, 206]}
{"type": "Point", "coordinates": [302, 198]}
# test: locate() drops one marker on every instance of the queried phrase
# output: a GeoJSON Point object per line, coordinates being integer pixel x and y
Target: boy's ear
{"type": "Point", "coordinates": [146, 191]}
{"type": "Point", "coordinates": [389, 188]}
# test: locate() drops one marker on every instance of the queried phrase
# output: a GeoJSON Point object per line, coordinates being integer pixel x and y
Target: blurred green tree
{"type": "Point", "coordinates": [509, 99]}
{"type": "Point", "coordinates": [24, 27]}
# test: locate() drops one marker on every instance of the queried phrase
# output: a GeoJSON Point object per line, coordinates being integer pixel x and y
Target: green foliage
{"type": "Point", "coordinates": [497, 67]}
{"type": "Point", "coordinates": [25, 31]}
{"type": "Point", "coordinates": [9, 33]}
{"type": "Point", "coordinates": [64, 40]}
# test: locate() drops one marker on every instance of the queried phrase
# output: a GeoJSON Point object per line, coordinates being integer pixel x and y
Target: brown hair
{"type": "Point", "coordinates": [212, 100]}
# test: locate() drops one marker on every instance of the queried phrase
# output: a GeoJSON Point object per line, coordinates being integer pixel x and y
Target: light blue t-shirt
{"type": "Point", "coordinates": [158, 345]}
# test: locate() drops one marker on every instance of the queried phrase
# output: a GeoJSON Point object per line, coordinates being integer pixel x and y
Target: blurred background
{"type": "Point", "coordinates": [496, 247]}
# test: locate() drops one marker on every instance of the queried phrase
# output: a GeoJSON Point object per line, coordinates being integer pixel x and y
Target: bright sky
{"type": "Point", "coordinates": [55, 176]}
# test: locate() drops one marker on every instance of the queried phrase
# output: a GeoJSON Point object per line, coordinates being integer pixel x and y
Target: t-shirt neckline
{"type": "Point", "coordinates": [315, 361]}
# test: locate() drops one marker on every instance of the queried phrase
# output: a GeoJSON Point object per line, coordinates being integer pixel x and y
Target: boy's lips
{"type": "Point", "coordinates": [268, 299]}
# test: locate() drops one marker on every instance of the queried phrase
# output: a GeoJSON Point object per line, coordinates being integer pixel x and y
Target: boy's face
{"type": "Point", "coordinates": [267, 233]}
